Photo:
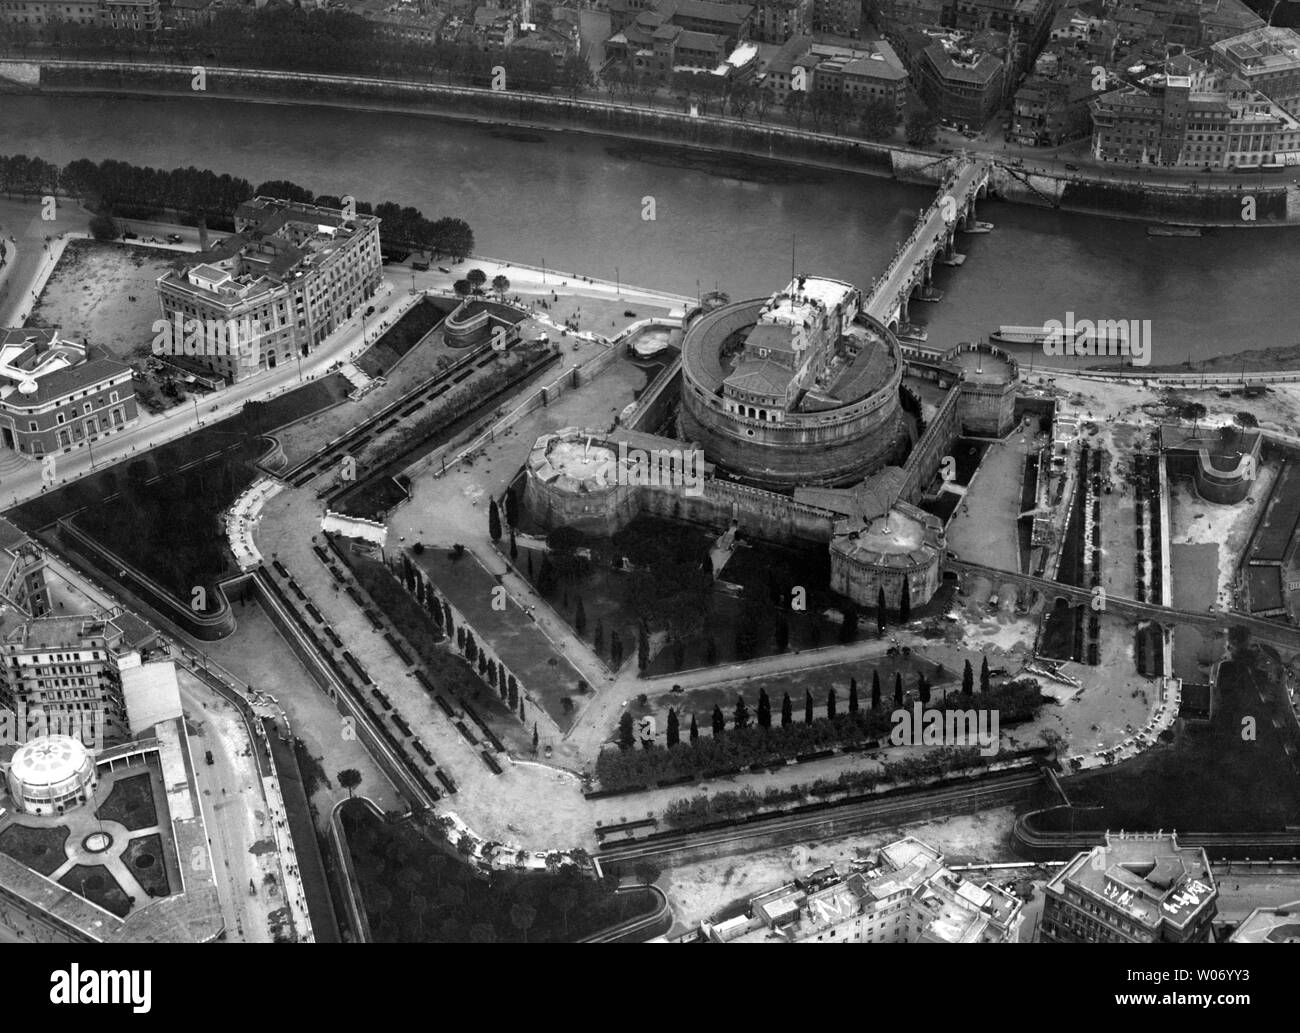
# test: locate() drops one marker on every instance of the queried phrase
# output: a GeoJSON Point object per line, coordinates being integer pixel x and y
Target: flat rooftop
{"type": "Point", "coordinates": [1149, 878]}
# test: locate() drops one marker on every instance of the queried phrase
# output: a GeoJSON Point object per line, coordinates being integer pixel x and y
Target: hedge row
{"type": "Point", "coordinates": [618, 769]}
{"type": "Point", "coordinates": [707, 809]}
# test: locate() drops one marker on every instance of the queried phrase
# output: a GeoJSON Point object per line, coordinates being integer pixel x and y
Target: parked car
{"type": "Point", "coordinates": [1071, 167]}
{"type": "Point", "coordinates": [174, 238]}
{"type": "Point", "coordinates": [208, 757]}
{"type": "Point", "coordinates": [128, 235]}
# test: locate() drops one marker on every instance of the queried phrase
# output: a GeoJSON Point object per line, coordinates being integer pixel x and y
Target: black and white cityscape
{"type": "Point", "coordinates": [678, 471]}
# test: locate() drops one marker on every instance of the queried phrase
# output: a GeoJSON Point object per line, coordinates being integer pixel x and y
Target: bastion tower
{"type": "Point", "coordinates": [798, 389]}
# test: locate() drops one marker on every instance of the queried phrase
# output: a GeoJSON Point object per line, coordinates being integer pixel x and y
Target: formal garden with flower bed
{"type": "Point", "coordinates": [41, 849]}
{"type": "Point", "coordinates": [130, 803]}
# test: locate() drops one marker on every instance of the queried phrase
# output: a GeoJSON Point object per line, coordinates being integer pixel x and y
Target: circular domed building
{"type": "Point", "coordinates": [51, 774]}
{"type": "Point", "coordinates": [800, 389]}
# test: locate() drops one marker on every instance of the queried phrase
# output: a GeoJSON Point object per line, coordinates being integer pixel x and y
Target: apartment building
{"type": "Point", "coordinates": [964, 79]}
{"type": "Point", "coordinates": [839, 17]}
{"type": "Point", "coordinates": [292, 272]}
{"type": "Point", "coordinates": [901, 893]}
{"type": "Point", "coordinates": [1267, 60]}
{"type": "Point", "coordinates": [57, 395]}
{"type": "Point", "coordinates": [1193, 121]}
{"type": "Point", "coordinates": [132, 15]}
{"type": "Point", "coordinates": [776, 21]}
{"type": "Point", "coordinates": [1136, 888]}
{"type": "Point", "coordinates": [67, 667]}
{"type": "Point", "coordinates": [870, 72]}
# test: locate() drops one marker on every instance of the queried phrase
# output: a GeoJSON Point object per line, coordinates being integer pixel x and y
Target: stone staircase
{"type": "Point", "coordinates": [10, 463]}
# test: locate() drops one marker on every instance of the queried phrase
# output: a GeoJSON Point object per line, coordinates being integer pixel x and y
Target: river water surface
{"type": "Point", "coordinates": [575, 202]}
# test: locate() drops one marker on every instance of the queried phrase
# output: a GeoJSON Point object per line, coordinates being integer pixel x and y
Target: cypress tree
{"type": "Point", "coordinates": [905, 602]}
{"type": "Point", "coordinates": [984, 674]}
{"type": "Point", "coordinates": [875, 689]}
{"type": "Point", "coordinates": [615, 649]}
{"type": "Point", "coordinates": [535, 740]}
{"type": "Point", "coordinates": [626, 738]}
{"type": "Point", "coordinates": [494, 521]}
{"type": "Point", "coordinates": [514, 693]}
{"type": "Point", "coordinates": [967, 680]}
{"type": "Point", "coordinates": [922, 688]}
{"type": "Point", "coordinates": [512, 508]}
{"type": "Point", "coordinates": [807, 707]}
{"type": "Point", "coordinates": [674, 733]}
{"type": "Point", "coordinates": [764, 710]}
{"type": "Point", "coordinates": [853, 695]}
{"type": "Point", "coordinates": [695, 730]}
{"type": "Point", "coordinates": [598, 639]}
{"type": "Point", "coordinates": [514, 548]}
{"type": "Point", "coordinates": [830, 702]}
{"type": "Point", "coordinates": [898, 689]}
{"type": "Point", "coordinates": [642, 649]}
{"type": "Point", "coordinates": [741, 717]}
{"type": "Point", "coordinates": [580, 618]}
{"type": "Point", "coordinates": [787, 711]}
{"type": "Point", "coordinates": [719, 722]}
{"type": "Point", "coordinates": [880, 610]}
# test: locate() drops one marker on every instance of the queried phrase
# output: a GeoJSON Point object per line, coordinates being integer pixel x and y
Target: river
{"type": "Point", "coordinates": [575, 202]}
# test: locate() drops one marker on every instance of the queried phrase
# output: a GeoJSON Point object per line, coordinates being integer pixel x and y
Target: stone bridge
{"type": "Point", "coordinates": [932, 240]}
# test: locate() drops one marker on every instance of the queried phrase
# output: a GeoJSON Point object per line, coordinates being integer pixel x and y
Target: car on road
{"type": "Point", "coordinates": [128, 235]}
{"type": "Point", "coordinates": [174, 238]}
{"type": "Point", "coordinates": [443, 269]}
{"type": "Point", "coordinates": [1071, 167]}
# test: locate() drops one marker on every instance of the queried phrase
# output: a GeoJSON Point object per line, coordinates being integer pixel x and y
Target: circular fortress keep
{"type": "Point", "coordinates": [798, 389]}
{"type": "Point", "coordinates": [574, 479]}
{"type": "Point", "coordinates": [51, 774]}
{"type": "Point", "coordinates": [903, 546]}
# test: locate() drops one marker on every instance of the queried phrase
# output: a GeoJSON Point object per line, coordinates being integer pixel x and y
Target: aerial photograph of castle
{"type": "Point", "coordinates": [677, 471]}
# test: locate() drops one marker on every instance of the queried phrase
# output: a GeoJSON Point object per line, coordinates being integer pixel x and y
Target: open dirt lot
{"type": "Point", "coordinates": [706, 890]}
{"type": "Point", "coordinates": [88, 295]}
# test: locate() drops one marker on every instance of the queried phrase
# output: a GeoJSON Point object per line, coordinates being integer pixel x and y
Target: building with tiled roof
{"type": "Point", "coordinates": [964, 79]}
{"type": "Point", "coordinates": [291, 272]}
{"type": "Point", "coordinates": [57, 395]}
{"type": "Point", "coordinates": [1222, 19]}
